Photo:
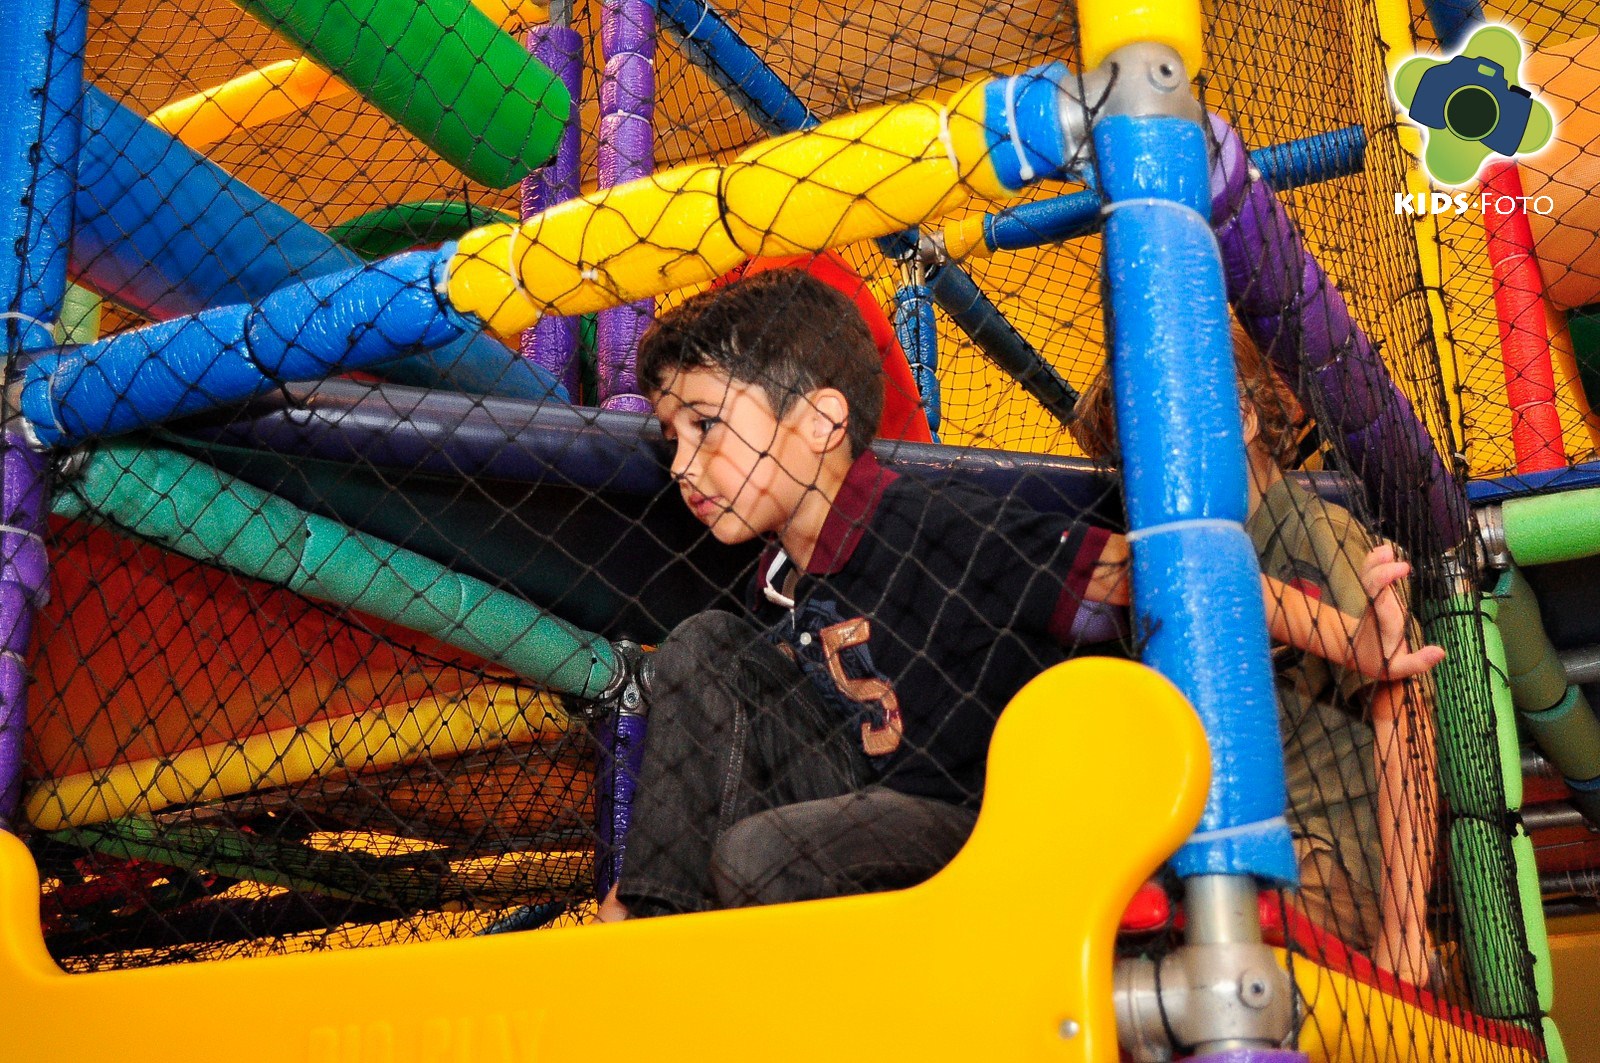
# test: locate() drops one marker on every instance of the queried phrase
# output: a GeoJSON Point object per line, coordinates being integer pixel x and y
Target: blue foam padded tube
{"type": "Point", "coordinates": [163, 230]}
{"type": "Point", "coordinates": [740, 71]}
{"type": "Point", "coordinates": [41, 78]}
{"type": "Point", "coordinates": [1284, 166]}
{"type": "Point", "coordinates": [718, 49]}
{"type": "Point", "coordinates": [303, 331]}
{"type": "Point", "coordinates": [1196, 579]}
{"type": "Point", "coordinates": [38, 142]}
{"type": "Point", "coordinates": [1452, 18]}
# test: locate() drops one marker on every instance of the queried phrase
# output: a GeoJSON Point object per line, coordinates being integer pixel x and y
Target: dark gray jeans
{"type": "Point", "coordinates": [754, 791]}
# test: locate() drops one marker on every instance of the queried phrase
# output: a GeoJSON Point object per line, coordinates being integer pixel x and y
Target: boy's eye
{"type": "Point", "coordinates": [706, 424]}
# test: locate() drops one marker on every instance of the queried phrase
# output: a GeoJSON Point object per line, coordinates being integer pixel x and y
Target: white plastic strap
{"type": "Point", "coordinates": [1243, 830]}
{"type": "Point", "coordinates": [1155, 201]}
{"type": "Point", "coordinates": [11, 529]}
{"type": "Point", "coordinates": [1203, 523]}
{"type": "Point", "coordinates": [17, 315]}
{"type": "Point", "coordinates": [773, 596]}
{"type": "Point", "coordinates": [1024, 168]}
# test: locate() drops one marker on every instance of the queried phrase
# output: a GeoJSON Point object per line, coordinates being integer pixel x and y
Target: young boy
{"type": "Point", "coordinates": [1358, 766]}
{"type": "Point", "coordinates": [833, 740]}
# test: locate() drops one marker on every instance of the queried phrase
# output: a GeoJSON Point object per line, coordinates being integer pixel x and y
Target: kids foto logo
{"type": "Point", "coordinates": [1471, 105]}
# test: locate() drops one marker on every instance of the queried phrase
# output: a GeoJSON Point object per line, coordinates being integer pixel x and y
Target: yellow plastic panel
{"type": "Point", "coordinates": [1098, 771]}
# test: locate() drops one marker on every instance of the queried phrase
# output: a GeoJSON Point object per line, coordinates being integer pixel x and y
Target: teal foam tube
{"type": "Point", "coordinates": [442, 70]}
{"type": "Point", "coordinates": [166, 232]}
{"type": "Point", "coordinates": [1538, 681]}
{"type": "Point", "coordinates": [193, 509]}
{"type": "Point", "coordinates": [1556, 714]}
{"type": "Point", "coordinates": [1543, 529]}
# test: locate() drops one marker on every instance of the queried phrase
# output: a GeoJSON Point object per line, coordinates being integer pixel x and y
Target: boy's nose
{"type": "Point", "coordinates": [682, 461]}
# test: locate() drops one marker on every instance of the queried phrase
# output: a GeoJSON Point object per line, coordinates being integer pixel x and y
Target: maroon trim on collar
{"type": "Point", "coordinates": [853, 509]}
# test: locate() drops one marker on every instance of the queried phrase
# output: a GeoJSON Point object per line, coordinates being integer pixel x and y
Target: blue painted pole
{"type": "Point", "coordinates": [41, 78]}
{"type": "Point", "coordinates": [1196, 579]}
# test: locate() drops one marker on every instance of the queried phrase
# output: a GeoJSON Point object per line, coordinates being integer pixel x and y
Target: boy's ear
{"type": "Point", "coordinates": [827, 414]}
{"type": "Point", "coordinates": [1252, 424]}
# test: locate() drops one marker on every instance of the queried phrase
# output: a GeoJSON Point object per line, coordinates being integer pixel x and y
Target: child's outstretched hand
{"type": "Point", "coordinates": [1379, 649]}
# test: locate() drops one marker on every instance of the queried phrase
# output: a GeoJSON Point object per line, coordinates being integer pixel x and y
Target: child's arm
{"type": "Point", "coordinates": [1408, 826]}
{"type": "Point", "coordinates": [1374, 645]}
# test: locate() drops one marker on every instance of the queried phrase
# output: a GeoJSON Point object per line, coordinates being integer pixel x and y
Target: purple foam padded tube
{"type": "Point", "coordinates": [41, 79]}
{"type": "Point", "coordinates": [627, 151]}
{"type": "Point", "coordinates": [1293, 311]}
{"type": "Point", "coordinates": [552, 343]}
{"type": "Point", "coordinates": [620, 737]}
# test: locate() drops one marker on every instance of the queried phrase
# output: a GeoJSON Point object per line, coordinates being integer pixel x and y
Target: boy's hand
{"type": "Point", "coordinates": [1109, 584]}
{"type": "Point", "coordinates": [1378, 648]}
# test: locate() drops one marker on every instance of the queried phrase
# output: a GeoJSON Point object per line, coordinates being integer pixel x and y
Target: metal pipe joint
{"type": "Point", "coordinates": [1216, 997]}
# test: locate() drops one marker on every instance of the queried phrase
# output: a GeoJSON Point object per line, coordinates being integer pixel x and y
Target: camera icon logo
{"type": "Point", "coordinates": [1471, 105]}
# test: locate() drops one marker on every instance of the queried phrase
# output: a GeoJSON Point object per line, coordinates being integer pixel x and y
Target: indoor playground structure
{"type": "Point", "coordinates": [334, 518]}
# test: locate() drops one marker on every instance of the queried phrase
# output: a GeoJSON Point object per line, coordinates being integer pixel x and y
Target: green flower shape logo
{"type": "Point", "coordinates": [1472, 105]}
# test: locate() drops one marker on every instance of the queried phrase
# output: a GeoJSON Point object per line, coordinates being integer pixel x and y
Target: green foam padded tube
{"type": "Point", "coordinates": [1533, 917]}
{"type": "Point", "coordinates": [1505, 712]}
{"type": "Point", "coordinates": [1463, 723]}
{"type": "Point", "coordinates": [80, 317]}
{"type": "Point", "coordinates": [1569, 736]}
{"type": "Point", "coordinates": [1555, 1050]}
{"type": "Point", "coordinates": [198, 511]}
{"type": "Point", "coordinates": [390, 230]}
{"type": "Point", "coordinates": [1542, 529]}
{"type": "Point", "coordinates": [439, 68]}
{"type": "Point", "coordinates": [1538, 681]}
{"type": "Point", "coordinates": [1496, 951]}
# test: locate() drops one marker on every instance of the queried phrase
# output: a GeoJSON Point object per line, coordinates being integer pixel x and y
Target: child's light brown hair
{"type": "Point", "coordinates": [1278, 414]}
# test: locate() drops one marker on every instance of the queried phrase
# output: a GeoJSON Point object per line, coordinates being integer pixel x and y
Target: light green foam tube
{"type": "Point", "coordinates": [442, 70]}
{"type": "Point", "coordinates": [1541, 529]}
{"type": "Point", "coordinates": [1532, 900]}
{"type": "Point", "coordinates": [1464, 729]}
{"type": "Point", "coordinates": [1496, 951]}
{"type": "Point", "coordinates": [195, 510]}
{"type": "Point", "coordinates": [1505, 712]}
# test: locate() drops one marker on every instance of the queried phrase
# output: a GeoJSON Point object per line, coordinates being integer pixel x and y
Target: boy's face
{"type": "Point", "coordinates": [742, 469]}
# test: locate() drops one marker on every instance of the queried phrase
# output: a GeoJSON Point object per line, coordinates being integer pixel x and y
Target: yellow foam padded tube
{"type": "Point", "coordinates": [963, 238]}
{"type": "Point", "coordinates": [437, 724]}
{"type": "Point", "coordinates": [280, 89]}
{"type": "Point", "coordinates": [861, 175]}
{"type": "Point", "coordinates": [1079, 806]}
{"type": "Point", "coordinates": [1394, 30]}
{"type": "Point", "coordinates": [1106, 25]}
{"type": "Point", "coordinates": [250, 100]}
{"type": "Point", "coordinates": [1349, 1021]}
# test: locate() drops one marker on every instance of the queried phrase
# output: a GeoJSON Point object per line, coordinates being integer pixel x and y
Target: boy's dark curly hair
{"type": "Point", "coordinates": [784, 330]}
{"type": "Point", "coordinates": [1279, 417]}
